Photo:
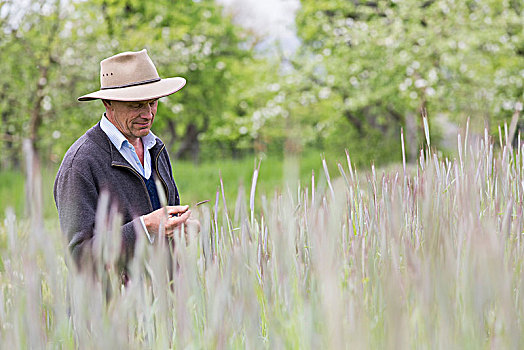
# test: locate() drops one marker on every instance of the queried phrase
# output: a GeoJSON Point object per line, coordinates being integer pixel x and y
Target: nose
{"type": "Point", "coordinates": [147, 112]}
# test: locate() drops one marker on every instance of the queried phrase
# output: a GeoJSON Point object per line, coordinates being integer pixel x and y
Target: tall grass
{"type": "Point", "coordinates": [428, 258]}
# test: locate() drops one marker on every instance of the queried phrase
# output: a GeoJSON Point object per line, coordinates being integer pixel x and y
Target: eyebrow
{"type": "Point", "coordinates": [140, 103]}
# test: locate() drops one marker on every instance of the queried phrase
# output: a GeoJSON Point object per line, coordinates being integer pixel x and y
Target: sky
{"type": "Point", "coordinates": [274, 18]}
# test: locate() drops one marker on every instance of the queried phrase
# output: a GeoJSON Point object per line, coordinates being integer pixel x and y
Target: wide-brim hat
{"type": "Point", "coordinates": [132, 76]}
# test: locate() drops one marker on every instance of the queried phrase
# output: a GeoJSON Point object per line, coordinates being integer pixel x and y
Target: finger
{"type": "Point", "coordinates": [177, 209]}
{"type": "Point", "coordinates": [178, 220]}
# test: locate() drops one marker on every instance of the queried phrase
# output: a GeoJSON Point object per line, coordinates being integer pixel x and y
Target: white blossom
{"type": "Point", "coordinates": [324, 93]}
{"type": "Point", "coordinates": [420, 83]}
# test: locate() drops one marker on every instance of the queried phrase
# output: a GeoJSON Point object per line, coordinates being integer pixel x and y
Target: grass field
{"type": "Point", "coordinates": [427, 258]}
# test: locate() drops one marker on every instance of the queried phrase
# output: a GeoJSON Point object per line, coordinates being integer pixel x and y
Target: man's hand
{"type": "Point", "coordinates": [176, 216]}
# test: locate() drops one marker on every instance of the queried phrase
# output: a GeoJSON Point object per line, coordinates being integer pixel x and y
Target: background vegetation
{"type": "Point", "coordinates": [414, 249]}
{"type": "Point", "coordinates": [362, 71]}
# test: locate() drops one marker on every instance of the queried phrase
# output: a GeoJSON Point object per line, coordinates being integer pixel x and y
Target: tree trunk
{"type": "Point", "coordinates": [171, 127]}
{"type": "Point", "coordinates": [36, 113]}
{"type": "Point", "coordinates": [353, 120]}
{"type": "Point", "coordinates": [33, 184]}
{"type": "Point", "coordinates": [10, 158]}
{"type": "Point", "coordinates": [190, 147]}
{"type": "Point", "coordinates": [411, 137]}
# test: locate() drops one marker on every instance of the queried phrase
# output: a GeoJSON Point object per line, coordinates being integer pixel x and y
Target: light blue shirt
{"type": "Point", "coordinates": [127, 150]}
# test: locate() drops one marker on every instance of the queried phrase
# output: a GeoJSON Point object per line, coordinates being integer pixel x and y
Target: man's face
{"type": "Point", "coordinates": [133, 119]}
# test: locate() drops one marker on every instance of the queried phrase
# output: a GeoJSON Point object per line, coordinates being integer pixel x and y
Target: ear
{"type": "Point", "coordinates": [107, 104]}
{"type": "Point", "coordinates": [109, 109]}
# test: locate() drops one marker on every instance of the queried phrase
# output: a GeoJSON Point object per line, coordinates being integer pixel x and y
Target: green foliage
{"type": "Point", "coordinates": [364, 70]}
{"type": "Point", "coordinates": [195, 40]}
{"type": "Point", "coordinates": [12, 193]}
{"type": "Point", "coordinates": [385, 61]}
{"type": "Point", "coordinates": [28, 49]}
{"type": "Point", "coordinates": [51, 57]}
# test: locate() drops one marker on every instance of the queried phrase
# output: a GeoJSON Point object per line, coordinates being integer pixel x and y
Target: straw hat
{"type": "Point", "coordinates": [132, 76]}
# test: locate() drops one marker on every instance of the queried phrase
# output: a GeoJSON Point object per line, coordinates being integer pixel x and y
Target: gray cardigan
{"type": "Point", "coordinates": [92, 165]}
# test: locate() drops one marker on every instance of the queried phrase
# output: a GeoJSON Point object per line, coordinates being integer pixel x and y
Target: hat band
{"type": "Point", "coordinates": [131, 84]}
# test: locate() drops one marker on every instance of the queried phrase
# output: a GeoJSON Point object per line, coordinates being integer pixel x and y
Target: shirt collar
{"type": "Point", "coordinates": [119, 140]}
{"type": "Point", "coordinates": [149, 140]}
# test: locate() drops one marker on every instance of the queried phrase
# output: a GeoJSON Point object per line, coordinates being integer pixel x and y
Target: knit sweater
{"type": "Point", "coordinates": [93, 165]}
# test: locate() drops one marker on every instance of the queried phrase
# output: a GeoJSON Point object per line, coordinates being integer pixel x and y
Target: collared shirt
{"type": "Point", "coordinates": [127, 150]}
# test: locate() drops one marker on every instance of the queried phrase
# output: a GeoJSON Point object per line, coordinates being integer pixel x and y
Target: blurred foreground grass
{"type": "Point", "coordinates": [431, 259]}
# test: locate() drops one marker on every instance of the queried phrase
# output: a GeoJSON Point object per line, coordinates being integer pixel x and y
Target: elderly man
{"type": "Point", "coordinates": [120, 155]}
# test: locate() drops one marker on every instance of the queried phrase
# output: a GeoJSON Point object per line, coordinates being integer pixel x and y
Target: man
{"type": "Point", "coordinates": [120, 155]}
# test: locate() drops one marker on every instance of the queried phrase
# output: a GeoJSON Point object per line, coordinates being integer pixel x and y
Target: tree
{"type": "Point", "coordinates": [193, 39]}
{"type": "Point", "coordinates": [51, 52]}
{"type": "Point", "coordinates": [29, 59]}
{"type": "Point", "coordinates": [390, 60]}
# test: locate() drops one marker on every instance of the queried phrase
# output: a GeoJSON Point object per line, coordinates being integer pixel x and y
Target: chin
{"type": "Point", "coordinates": [143, 132]}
